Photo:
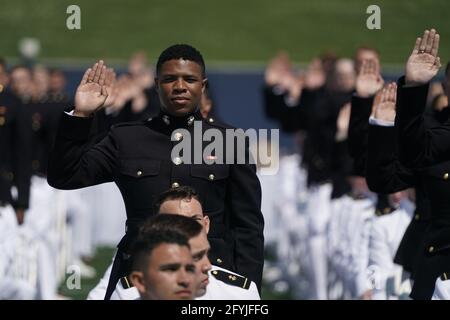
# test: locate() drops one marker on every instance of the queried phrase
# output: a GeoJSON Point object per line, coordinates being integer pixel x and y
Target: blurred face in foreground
{"type": "Point", "coordinates": [199, 245]}
{"type": "Point", "coordinates": [169, 274]}
{"type": "Point", "coordinates": [200, 248]}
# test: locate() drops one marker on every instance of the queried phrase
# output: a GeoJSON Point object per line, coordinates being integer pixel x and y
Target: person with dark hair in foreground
{"type": "Point", "coordinates": [162, 267]}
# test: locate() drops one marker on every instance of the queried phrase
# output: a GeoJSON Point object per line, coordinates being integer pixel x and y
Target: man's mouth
{"type": "Point", "coordinates": [184, 293]}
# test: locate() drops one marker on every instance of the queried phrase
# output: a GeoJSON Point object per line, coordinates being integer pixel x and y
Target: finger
{"type": "Point", "coordinates": [435, 48]}
{"type": "Point", "coordinates": [423, 44]}
{"type": "Point", "coordinates": [102, 79]}
{"type": "Point", "coordinates": [383, 95]}
{"type": "Point", "coordinates": [395, 92]}
{"type": "Point", "coordinates": [430, 40]}
{"type": "Point", "coordinates": [98, 72]}
{"type": "Point", "coordinates": [391, 92]}
{"type": "Point", "coordinates": [92, 73]}
{"type": "Point", "coordinates": [111, 77]}
{"type": "Point", "coordinates": [417, 46]}
{"type": "Point", "coordinates": [85, 76]}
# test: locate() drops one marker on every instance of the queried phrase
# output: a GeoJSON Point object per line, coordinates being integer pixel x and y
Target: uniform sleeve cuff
{"type": "Point", "coordinates": [383, 123]}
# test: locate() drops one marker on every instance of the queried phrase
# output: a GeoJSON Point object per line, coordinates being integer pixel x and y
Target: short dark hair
{"type": "Point", "coordinates": [148, 241]}
{"type": "Point", "coordinates": [2, 62]}
{"type": "Point", "coordinates": [187, 226]}
{"type": "Point", "coordinates": [447, 70]}
{"type": "Point", "coordinates": [181, 51]}
{"type": "Point", "coordinates": [180, 193]}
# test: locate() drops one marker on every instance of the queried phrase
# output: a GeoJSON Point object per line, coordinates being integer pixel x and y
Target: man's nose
{"type": "Point", "coordinates": [184, 279]}
{"type": "Point", "coordinates": [206, 266]}
{"type": "Point", "coordinates": [179, 85]}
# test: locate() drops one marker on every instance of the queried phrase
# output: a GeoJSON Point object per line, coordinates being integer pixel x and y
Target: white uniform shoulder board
{"type": "Point", "coordinates": [231, 279]}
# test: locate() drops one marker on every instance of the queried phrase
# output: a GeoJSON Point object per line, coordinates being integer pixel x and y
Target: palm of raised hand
{"type": "Point", "coordinates": [368, 84]}
{"type": "Point", "coordinates": [89, 97]}
{"type": "Point", "coordinates": [385, 111]}
{"type": "Point", "coordinates": [421, 67]}
{"type": "Point", "coordinates": [423, 63]}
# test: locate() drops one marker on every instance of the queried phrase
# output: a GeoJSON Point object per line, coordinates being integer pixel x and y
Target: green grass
{"type": "Point", "coordinates": [233, 30]}
{"type": "Point", "coordinates": [100, 262]}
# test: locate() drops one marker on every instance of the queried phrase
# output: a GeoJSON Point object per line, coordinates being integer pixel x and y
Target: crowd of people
{"type": "Point", "coordinates": [358, 211]}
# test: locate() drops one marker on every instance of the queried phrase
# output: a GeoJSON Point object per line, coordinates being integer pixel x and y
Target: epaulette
{"type": "Point", "coordinates": [231, 279]}
{"type": "Point", "coordinates": [384, 211]}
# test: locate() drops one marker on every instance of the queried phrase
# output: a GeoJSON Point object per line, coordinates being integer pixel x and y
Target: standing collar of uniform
{"type": "Point", "coordinates": [179, 122]}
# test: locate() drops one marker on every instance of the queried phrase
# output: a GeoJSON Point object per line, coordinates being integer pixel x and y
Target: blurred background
{"type": "Point", "coordinates": [237, 40]}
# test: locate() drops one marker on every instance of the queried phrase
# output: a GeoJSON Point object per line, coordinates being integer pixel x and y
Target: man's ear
{"type": "Point", "coordinates": [204, 82]}
{"type": "Point", "coordinates": [137, 278]}
{"type": "Point", "coordinates": [206, 223]}
{"type": "Point", "coordinates": [156, 84]}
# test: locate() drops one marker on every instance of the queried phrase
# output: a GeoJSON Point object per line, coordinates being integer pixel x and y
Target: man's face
{"type": "Point", "coordinates": [170, 274]}
{"type": "Point", "coordinates": [3, 76]}
{"type": "Point", "coordinates": [199, 249]}
{"type": "Point", "coordinates": [180, 85]}
{"type": "Point", "coordinates": [186, 207]}
{"type": "Point", "coordinates": [365, 54]}
{"type": "Point", "coordinates": [21, 83]}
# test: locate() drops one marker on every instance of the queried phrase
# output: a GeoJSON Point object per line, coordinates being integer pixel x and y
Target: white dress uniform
{"type": "Point", "coordinates": [40, 228]}
{"type": "Point", "coordinates": [10, 287]}
{"type": "Point", "coordinates": [442, 288]}
{"type": "Point", "coordinates": [385, 237]}
{"type": "Point", "coordinates": [318, 212]}
{"type": "Point", "coordinates": [355, 245]}
{"type": "Point", "coordinates": [227, 285]}
{"type": "Point", "coordinates": [223, 285]}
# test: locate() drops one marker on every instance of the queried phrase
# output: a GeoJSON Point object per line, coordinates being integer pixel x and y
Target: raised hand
{"type": "Point", "coordinates": [369, 80]}
{"type": "Point", "coordinates": [276, 69]}
{"type": "Point", "coordinates": [385, 109]}
{"type": "Point", "coordinates": [343, 122]}
{"type": "Point", "coordinates": [423, 63]}
{"type": "Point", "coordinates": [91, 94]}
{"type": "Point", "coordinates": [110, 87]}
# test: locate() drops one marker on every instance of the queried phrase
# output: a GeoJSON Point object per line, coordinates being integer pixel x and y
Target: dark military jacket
{"type": "Point", "coordinates": [316, 113]}
{"type": "Point", "coordinates": [427, 151]}
{"type": "Point", "coordinates": [14, 151]}
{"type": "Point", "coordinates": [43, 120]}
{"type": "Point", "coordinates": [137, 157]}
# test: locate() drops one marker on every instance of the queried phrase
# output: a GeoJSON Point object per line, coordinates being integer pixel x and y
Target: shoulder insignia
{"type": "Point", "coordinates": [231, 279]}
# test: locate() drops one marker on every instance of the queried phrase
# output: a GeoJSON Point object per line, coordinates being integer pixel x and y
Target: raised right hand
{"type": "Point", "coordinates": [91, 94]}
{"type": "Point", "coordinates": [423, 63]}
{"type": "Point", "coordinates": [369, 80]}
{"type": "Point", "coordinates": [385, 109]}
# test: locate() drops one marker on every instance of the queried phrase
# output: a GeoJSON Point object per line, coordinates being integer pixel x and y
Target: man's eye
{"type": "Point", "coordinates": [168, 79]}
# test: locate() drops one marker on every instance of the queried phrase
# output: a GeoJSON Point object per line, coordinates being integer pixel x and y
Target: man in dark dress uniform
{"type": "Point", "coordinates": [14, 150]}
{"type": "Point", "coordinates": [137, 156]}
{"type": "Point", "coordinates": [426, 151]}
